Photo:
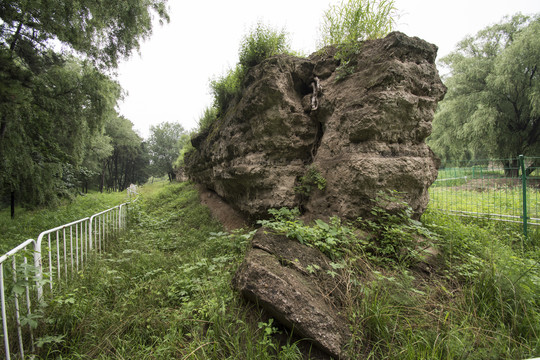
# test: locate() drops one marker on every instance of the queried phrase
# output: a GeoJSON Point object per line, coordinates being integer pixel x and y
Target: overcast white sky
{"type": "Point", "coordinates": [169, 80]}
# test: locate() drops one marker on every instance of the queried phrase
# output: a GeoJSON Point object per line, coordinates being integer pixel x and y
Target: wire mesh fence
{"type": "Point", "coordinates": [499, 189]}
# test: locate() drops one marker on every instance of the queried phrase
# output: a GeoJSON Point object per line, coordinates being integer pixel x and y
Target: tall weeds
{"type": "Point", "coordinates": [163, 290]}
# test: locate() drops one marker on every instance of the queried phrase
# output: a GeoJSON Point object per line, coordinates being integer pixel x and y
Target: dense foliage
{"type": "Point", "coordinates": [104, 32]}
{"type": "Point", "coordinates": [129, 159]}
{"type": "Point", "coordinates": [491, 108]}
{"type": "Point", "coordinates": [55, 97]}
{"type": "Point", "coordinates": [165, 143]}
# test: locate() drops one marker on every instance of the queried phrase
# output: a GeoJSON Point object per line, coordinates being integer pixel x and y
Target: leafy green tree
{"type": "Point", "coordinates": [104, 31]}
{"type": "Point", "coordinates": [491, 108]}
{"type": "Point", "coordinates": [53, 102]}
{"type": "Point", "coordinates": [128, 162]}
{"type": "Point", "coordinates": [51, 126]}
{"type": "Point", "coordinates": [164, 145]}
{"type": "Point", "coordinates": [99, 150]}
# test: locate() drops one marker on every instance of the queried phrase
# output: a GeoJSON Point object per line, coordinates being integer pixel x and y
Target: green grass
{"type": "Point", "coordinates": [485, 190]}
{"type": "Point", "coordinates": [28, 224]}
{"type": "Point", "coordinates": [482, 198]}
{"type": "Point", "coordinates": [163, 291]}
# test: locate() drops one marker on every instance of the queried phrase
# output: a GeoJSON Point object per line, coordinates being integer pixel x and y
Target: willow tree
{"type": "Point", "coordinates": [54, 94]}
{"type": "Point", "coordinates": [492, 107]}
{"type": "Point", "coordinates": [104, 31]}
{"type": "Point", "coordinates": [129, 159]}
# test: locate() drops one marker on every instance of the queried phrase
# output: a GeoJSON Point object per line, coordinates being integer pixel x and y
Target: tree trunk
{"type": "Point", "coordinates": [102, 182]}
{"type": "Point", "coordinates": [3, 127]}
{"type": "Point", "coordinates": [532, 167]}
{"type": "Point", "coordinates": [13, 204]}
{"type": "Point", "coordinates": [16, 37]}
{"type": "Point", "coordinates": [511, 168]}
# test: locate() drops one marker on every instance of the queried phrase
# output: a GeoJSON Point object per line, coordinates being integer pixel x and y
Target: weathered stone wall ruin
{"type": "Point", "coordinates": [364, 134]}
{"type": "Point", "coordinates": [367, 133]}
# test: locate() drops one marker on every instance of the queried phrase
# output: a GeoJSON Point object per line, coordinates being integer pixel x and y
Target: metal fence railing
{"type": "Point", "coordinates": [31, 270]}
{"type": "Point", "coordinates": [499, 189]}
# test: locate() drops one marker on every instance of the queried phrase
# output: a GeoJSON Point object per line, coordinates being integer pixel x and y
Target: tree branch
{"type": "Point", "coordinates": [533, 134]}
{"type": "Point", "coordinates": [16, 37]}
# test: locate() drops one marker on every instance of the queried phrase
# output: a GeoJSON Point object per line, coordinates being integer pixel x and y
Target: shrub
{"type": "Point", "coordinates": [261, 43]}
{"type": "Point", "coordinates": [333, 238]}
{"type": "Point", "coordinates": [352, 21]}
{"type": "Point", "coordinates": [226, 88]}
{"type": "Point", "coordinates": [311, 180]}
{"type": "Point", "coordinates": [207, 118]}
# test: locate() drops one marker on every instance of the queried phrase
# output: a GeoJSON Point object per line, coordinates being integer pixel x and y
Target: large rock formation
{"type": "Point", "coordinates": [366, 135]}
{"type": "Point", "coordinates": [360, 135]}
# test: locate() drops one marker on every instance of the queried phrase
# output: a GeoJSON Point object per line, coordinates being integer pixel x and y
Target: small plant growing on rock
{"type": "Point", "coordinates": [311, 180]}
{"type": "Point", "coordinates": [400, 239]}
{"type": "Point", "coordinates": [352, 21]}
{"type": "Point", "coordinates": [333, 238]}
{"type": "Point", "coordinates": [261, 43]}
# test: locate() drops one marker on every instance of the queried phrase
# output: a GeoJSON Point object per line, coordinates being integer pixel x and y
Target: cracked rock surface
{"type": "Point", "coordinates": [274, 275]}
{"type": "Point", "coordinates": [366, 135]}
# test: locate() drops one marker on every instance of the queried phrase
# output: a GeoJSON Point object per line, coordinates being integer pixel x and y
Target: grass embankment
{"type": "Point", "coordinates": [28, 224]}
{"type": "Point", "coordinates": [164, 290]}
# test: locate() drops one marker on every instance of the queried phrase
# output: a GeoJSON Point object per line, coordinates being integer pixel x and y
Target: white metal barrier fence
{"type": "Point", "coordinates": [37, 265]}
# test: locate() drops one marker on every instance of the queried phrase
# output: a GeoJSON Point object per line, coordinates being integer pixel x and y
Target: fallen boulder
{"type": "Point", "coordinates": [274, 275]}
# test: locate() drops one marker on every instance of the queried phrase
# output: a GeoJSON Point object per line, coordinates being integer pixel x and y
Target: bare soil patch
{"type": "Point", "coordinates": [230, 218]}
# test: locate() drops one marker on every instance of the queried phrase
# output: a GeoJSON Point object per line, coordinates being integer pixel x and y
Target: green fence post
{"type": "Point", "coordinates": [524, 185]}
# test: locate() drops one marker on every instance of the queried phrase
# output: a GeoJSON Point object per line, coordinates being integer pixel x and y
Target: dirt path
{"type": "Point", "coordinates": [229, 217]}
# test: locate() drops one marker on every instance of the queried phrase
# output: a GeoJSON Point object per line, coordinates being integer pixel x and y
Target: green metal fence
{"type": "Point", "coordinates": [499, 189]}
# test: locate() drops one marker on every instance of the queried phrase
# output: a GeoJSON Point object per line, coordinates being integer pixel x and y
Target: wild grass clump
{"type": "Point", "coordinates": [350, 22]}
{"type": "Point", "coordinates": [259, 44]}
{"type": "Point", "coordinates": [208, 116]}
{"type": "Point", "coordinates": [498, 282]}
{"type": "Point", "coordinates": [437, 289]}
{"type": "Point", "coordinates": [226, 88]}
